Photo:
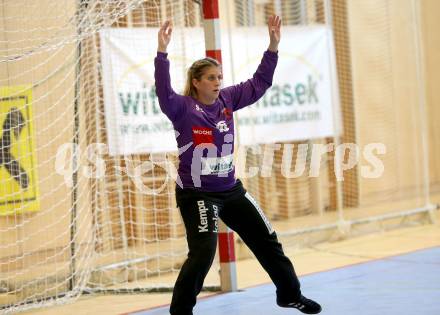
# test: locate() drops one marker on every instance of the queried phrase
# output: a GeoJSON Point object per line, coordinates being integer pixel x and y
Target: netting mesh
{"type": "Point", "coordinates": [280, 196]}
{"type": "Point", "coordinates": [74, 219]}
{"type": "Point", "coordinates": [140, 241]}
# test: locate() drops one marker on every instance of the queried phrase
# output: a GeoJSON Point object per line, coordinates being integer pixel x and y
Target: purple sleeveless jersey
{"type": "Point", "coordinates": [205, 133]}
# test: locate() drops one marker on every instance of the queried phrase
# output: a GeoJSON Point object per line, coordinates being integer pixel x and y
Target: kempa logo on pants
{"type": "Point", "coordinates": [203, 227]}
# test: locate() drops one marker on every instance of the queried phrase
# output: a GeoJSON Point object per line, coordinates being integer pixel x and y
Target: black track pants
{"type": "Point", "coordinates": [238, 210]}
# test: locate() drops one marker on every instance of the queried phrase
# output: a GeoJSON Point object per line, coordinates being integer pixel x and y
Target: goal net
{"type": "Point", "coordinates": [87, 193]}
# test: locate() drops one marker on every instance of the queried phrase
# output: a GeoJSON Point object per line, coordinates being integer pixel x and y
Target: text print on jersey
{"type": "Point", "coordinates": [202, 135]}
{"type": "Point", "coordinates": [217, 165]}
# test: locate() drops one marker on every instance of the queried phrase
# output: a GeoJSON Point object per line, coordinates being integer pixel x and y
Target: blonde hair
{"type": "Point", "coordinates": [195, 72]}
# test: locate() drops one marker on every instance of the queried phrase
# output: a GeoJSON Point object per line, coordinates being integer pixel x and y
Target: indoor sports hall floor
{"type": "Point", "coordinates": [403, 284]}
{"type": "Point", "coordinates": [392, 273]}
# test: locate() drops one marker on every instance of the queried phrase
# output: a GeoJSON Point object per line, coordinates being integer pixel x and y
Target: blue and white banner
{"type": "Point", "coordinates": [134, 121]}
{"type": "Point", "coordinates": [301, 104]}
{"type": "Point", "coordinates": [303, 100]}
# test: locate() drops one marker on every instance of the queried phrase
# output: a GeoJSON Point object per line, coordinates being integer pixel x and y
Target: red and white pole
{"type": "Point", "coordinates": [211, 25]}
{"type": "Point", "coordinates": [228, 273]}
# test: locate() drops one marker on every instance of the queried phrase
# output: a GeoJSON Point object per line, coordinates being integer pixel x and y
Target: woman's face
{"type": "Point", "coordinates": [208, 87]}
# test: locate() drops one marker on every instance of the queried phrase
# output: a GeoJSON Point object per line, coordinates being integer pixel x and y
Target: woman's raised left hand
{"type": "Point", "coordinates": [274, 26]}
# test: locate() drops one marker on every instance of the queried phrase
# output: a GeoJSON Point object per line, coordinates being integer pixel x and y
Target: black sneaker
{"type": "Point", "coordinates": [304, 305]}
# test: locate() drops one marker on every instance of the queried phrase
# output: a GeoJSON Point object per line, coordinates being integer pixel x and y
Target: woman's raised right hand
{"type": "Point", "coordinates": [164, 36]}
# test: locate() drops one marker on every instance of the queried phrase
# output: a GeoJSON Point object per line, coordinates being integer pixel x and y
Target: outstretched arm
{"type": "Point", "coordinates": [170, 103]}
{"type": "Point", "coordinates": [250, 91]}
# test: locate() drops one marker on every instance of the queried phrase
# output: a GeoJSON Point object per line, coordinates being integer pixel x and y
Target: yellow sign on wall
{"type": "Point", "coordinates": [18, 167]}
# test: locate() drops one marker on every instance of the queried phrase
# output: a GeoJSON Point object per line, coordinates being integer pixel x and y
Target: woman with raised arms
{"type": "Point", "coordinates": [206, 186]}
